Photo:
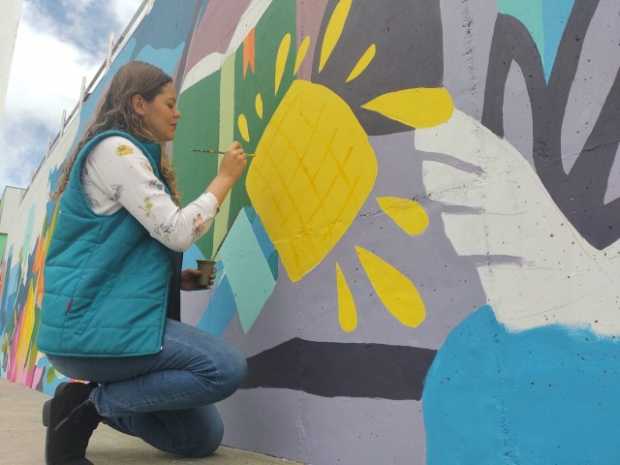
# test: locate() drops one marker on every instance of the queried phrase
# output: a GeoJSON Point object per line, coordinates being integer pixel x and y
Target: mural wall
{"type": "Point", "coordinates": [420, 260]}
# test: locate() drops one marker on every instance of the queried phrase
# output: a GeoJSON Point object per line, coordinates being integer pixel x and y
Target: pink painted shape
{"type": "Point", "coordinates": [28, 376]}
{"type": "Point", "coordinates": [309, 17]}
{"type": "Point", "coordinates": [215, 30]}
{"type": "Point", "coordinates": [36, 379]}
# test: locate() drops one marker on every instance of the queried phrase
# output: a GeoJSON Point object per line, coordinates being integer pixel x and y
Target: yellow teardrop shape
{"type": "Point", "coordinates": [301, 53]}
{"type": "Point", "coordinates": [396, 291]}
{"type": "Point", "coordinates": [347, 310]}
{"type": "Point", "coordinates": [417, 108]}
{"type": "Point", "coordinates": [282, 58]}
{"type": "Point", "coordinates": [242, 122]}
{"type": "Point", "coordinates": [363, 62]}
{"type": "Point", "coordinates": [258, 103]}
{"type": "Point", "coordinates": [334, 31]}
{"type": "Point", "coordinates": [408, 214]}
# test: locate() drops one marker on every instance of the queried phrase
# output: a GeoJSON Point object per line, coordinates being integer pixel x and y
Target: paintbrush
{"type": "Point", "coordinates": [218, 152]}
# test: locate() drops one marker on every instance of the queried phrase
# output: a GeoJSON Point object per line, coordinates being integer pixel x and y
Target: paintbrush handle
{"type": "Point", "coordinates": [218, 152]}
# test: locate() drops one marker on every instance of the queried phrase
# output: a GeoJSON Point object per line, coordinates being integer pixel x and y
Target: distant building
{"type": "Point", "coordinates": [9, 20]}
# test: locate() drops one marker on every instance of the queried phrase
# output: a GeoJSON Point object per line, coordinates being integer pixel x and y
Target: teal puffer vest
{"type": "Point", "coordinates": [106, 278]}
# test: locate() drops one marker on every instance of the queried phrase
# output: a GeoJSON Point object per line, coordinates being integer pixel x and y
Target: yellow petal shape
{"type": "Point", "coordinates": [418, 108]}
{"type": "Point", "coordinates": [334, 31]}
{"type": "Point", "coordinates": [347, 311]}
{"type": "Point", "coordinates": [301, 53]}
{"type": "Point", "coordinates": [396, 291]}
{"type": "Point", "coordinates": [283, 50]}
{"type": "Point", "coordinates": [242, 122]}
{"type": "Point", "coordinates": [258, 103]}
{"type": "Point", "coordinates": [408, 214]}
{"type": "Point", "coordinates": [363, 62]}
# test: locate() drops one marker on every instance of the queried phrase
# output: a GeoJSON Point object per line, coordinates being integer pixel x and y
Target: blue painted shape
{"type": "Point", "coordinates": [545, 20]}
{"type": "Point", "coordinates": [190, 256]}
{"type": "Point", "coordinates": [263, 240]}
{"type": "Point", "coordinates": [220, 311]}
{"type": "Point", "coordinates": [555, 17]}
{"type": "Point", "coordinates": [247, 270]}
{"type": "Point", "coordinates": [167, 25]}
{"type": "Point", "coordinates": [165, 59]}
{"type": "Point", "coordinates": [49, 388]}
{"type": "Point", "coordinates": [537, 397]}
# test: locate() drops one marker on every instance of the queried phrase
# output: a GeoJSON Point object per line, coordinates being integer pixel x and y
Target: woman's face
{"type": "Point", "coordinates": [160, 116]}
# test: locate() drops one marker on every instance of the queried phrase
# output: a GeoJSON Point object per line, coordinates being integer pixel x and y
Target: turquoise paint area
{"type": "Point", "coordinates": [265, 243]}
{"type": "Point", "coordinates": [247, 268]}
{"type": "Point", "coordinates": [546, 21]}
{"type": "Point", "coordinates": [555, 17]}
{"type": "Point", "coordinates": [537, 397]}
{"type": "Point", "coordinates": [165, 59]}
{"type": "Point", "coordinates": [221, 309]}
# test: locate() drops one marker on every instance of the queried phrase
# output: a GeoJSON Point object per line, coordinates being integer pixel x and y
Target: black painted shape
{"type": "Point", "coordinates": [409, 40]}
{"type": "Point", "coordinates": [331, 369]}
{"type": "Point", "coordinates": [580, 194]}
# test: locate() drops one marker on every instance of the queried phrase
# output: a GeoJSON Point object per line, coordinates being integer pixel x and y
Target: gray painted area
{"type": "Point", "coordinates": [467, 37]}
{"type": "Point", "coordinates": [326, 431]}
{"type": "Point", "coordinates": [595, 75]}
{"type": "Point", "coordinates": [518, 113]}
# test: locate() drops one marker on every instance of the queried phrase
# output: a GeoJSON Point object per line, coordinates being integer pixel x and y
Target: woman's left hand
{"type": "Point", "coordinates": [189, 280]}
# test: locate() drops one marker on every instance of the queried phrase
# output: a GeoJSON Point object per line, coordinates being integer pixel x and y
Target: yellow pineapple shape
{"type": "Point", "coordinates": [310, 178]}
{"type": "Point", "coordinates": [314, 169]}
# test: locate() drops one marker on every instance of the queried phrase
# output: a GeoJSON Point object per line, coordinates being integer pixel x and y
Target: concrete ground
{"type": "Point", "coordinates": [22, 439]}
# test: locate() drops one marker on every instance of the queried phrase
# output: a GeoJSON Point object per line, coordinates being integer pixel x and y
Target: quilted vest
{"type": "Point", "coordinates": [107, 281]}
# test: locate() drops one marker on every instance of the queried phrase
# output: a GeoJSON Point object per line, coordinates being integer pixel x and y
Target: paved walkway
{"type": "Point", "coordinates": [22, 439]}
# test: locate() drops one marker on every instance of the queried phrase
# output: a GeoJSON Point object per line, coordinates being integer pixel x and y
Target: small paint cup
{"type": "Point", "coordinates": [207, 269]}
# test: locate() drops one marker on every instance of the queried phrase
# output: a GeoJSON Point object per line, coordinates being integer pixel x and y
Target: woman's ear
{"type": "Point", "coordinates": [137, 103]}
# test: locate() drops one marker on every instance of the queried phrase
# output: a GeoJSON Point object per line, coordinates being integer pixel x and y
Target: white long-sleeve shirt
{"type": "Point", "coordinates": [117, 174]}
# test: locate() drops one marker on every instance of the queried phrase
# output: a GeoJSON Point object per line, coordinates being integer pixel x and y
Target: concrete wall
{"type": "Point", "coordinates": [11, 13]}
{"type": "Point", "coordinates": [421, 263]}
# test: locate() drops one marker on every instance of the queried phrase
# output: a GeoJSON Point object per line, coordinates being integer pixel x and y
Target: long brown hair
{"type": "Point", "coordinates": [115, 111]}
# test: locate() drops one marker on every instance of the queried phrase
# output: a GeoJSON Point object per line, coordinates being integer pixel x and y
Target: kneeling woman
{"type": "Point", "coordinates": [108, 276]}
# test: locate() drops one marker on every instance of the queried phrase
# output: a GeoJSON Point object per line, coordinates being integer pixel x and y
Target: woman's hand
{"type": "Point", "coordinates": [234, 162]}
{"type": "Point", "coordinates": [231, 169]}
{"type": "Point", "coordinates": [189, 280]}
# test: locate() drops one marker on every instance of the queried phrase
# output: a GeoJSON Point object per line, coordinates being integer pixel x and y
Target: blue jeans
{"type": "Point", "coordinates": [167, 398]}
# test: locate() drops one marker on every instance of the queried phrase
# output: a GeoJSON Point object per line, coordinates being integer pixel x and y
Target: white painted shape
{"type": "Point", "coordinates": [561, 278]}
{"type": "Point", "coordinates": [213, 62]}
{"type": "Point", "coordinates": [203, 69]}
{"type": "Point", "coordinates": [247, 22]}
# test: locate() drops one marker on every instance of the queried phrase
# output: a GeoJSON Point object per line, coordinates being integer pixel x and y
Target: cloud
{"type": "Point", "coordinates": [124, 9]}
{"type": "Point", "coordinates": [57, 44]}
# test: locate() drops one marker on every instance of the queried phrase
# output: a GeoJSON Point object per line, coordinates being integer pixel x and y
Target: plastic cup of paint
{"type": "Point", "coordinates": [207, 269]}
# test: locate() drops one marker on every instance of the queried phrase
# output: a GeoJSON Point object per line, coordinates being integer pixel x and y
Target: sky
{"type": "Point", "coordinates": [58, 42]}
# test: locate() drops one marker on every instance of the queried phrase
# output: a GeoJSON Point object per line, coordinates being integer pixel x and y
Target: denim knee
{"type": "Point", "coordinates": [204, 445]}
{"type": "Point", "coordinates": [232, 371]}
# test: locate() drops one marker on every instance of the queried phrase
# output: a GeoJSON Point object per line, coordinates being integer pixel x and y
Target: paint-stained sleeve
{"type": "Point", "coordinates": [123, 172]}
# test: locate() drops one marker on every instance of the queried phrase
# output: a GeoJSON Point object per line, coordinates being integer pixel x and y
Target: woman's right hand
{"type": "Point", "coordinates": [234, 162]}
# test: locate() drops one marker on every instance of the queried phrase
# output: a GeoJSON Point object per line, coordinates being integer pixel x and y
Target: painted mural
{"type": "Point", "coordinates": [420, 260]}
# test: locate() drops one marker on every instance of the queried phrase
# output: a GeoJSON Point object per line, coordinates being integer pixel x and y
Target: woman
{"type": "Point", "coordinates": [108, 276]}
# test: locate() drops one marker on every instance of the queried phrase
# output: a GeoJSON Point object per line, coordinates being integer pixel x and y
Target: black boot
{"type": "Point", "coordinates": [70, 418]}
